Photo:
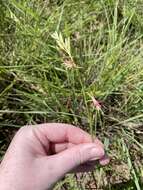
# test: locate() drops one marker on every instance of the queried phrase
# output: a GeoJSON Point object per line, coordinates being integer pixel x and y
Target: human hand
{"type": "Point", "coordinates": [40, 155]}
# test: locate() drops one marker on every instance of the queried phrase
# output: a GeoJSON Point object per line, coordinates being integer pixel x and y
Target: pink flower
{"type": "Point", "coordinates": [96, 103]}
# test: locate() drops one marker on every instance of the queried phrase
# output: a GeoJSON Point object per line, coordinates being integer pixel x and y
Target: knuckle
{"type": "Point", "coordinates": [80, 156]}
{"type": "Point", "coordinates": [24, 130]}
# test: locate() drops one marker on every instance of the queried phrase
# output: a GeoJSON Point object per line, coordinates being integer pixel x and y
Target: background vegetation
{"type": "Point", "coordinates": [78, 62]}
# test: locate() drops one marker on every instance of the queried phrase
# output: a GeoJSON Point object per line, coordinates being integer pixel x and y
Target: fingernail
{"type": "Point", "coordinates": [97, 152]}
{"type": "Point", "coordinates": [104, 160]}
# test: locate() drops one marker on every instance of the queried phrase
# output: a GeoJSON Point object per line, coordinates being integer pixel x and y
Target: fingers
{"type": "Point", "coordinates": [56, 166]}
{"type": "Point", "coordinates": [60, 133]}
{"type": "Point", "coordinates": [89, 166]}
{"type": "Point", "coordinates": [98, 142]}
{"type": "Point", "coordinates": [59, 147]}
{"type": "Point", "coordinates": [75, 156]}
{"type": "Point", "coordinates": [104, 160]}
{"type": "Point", "coordinates": [62, 137]}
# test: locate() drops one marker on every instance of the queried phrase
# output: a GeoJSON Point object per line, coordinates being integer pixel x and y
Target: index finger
{"type": "Point", "coordinates": [59, 133]}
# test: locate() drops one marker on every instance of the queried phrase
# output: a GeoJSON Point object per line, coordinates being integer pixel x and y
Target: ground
{"type": "Point", "coordinates": [77, 62]}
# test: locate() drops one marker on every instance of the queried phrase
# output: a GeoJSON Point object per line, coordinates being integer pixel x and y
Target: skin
{"type": "Point", "coordinates": [40, 155]}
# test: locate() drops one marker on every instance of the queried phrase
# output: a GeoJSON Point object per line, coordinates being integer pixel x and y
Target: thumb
{"type": "Point", "coordinates": [75, 156]}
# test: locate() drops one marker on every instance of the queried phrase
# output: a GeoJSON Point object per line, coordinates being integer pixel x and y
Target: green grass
{"type": "Point", "coordinates": [55, 56]}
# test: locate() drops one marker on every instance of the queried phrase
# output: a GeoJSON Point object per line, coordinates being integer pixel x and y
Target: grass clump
{"type": "Point", "coordinates": [77, 62]}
